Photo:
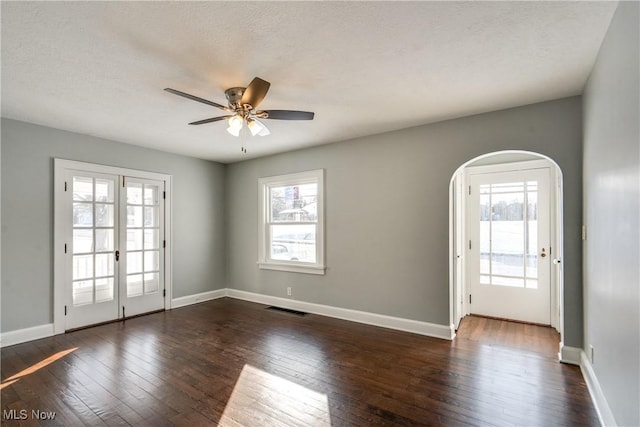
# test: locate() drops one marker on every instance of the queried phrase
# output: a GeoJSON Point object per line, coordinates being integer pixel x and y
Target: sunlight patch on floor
{"type": "Point", "coordinates": [262, 398]}
{"type": "Point", "coordinates": [33, 368]}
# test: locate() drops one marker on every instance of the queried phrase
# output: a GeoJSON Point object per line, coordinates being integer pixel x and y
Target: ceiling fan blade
{"type": "Point", "coordinates": [212, 119]}
{"type": "Point", "coordinates": [285, 115]}
{"type": "Point", "coordinates": [195, 98]}
{"type": "Point", "coordinates": [255, 92]}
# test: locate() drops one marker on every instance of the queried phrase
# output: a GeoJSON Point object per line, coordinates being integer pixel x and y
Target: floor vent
{"type": "Point", "coordinates": [287, 310]}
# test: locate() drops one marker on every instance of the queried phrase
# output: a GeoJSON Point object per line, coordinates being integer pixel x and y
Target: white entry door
{"type": "Point", "coordinates": [115, 260]}
{"type": "Point", "coordinates": [509, 252]}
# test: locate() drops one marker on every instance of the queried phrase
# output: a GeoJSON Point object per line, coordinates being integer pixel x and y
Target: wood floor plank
{"type": "Point", "coordinates": [233, 363]}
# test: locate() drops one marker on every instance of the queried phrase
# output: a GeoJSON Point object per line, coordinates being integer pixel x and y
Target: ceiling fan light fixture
{"type": "Point", "coordinates": [235, 124]}
{"type": "Point", "coordinates": [257, 128]}
{"type": "Point", "coordinates": [233, 131]}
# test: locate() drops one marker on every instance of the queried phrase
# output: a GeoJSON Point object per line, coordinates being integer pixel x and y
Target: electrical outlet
{"type": "Point", "coordinates": [289, 291]}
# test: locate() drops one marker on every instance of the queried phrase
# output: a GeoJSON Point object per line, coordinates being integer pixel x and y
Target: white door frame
{"type": "Point", "coordinates": [458, 289]}
{"type": "Point", "coordinates": [61, 166]}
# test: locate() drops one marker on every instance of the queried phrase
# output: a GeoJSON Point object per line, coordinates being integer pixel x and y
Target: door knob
{"type": "Point", "coordinates": [543, 254]}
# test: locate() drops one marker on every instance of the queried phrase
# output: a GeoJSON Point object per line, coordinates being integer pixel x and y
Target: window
{"type": "Point", "coordinates": [292, 222]}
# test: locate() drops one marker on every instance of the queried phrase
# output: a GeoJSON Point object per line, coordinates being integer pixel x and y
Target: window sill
{"type": "Point", "coordinates": [306, 269]}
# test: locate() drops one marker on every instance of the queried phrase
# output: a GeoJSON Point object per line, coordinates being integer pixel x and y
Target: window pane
{"type": "Point", "coordinates": [507, 206]}
{"type": "Point", "coordinates": [294, 203]}
{"type": "Point", "coordinates": [485, 233]}
{"type": "Point", "coordinates": [104, 240]}
{"type": "Point", "coordinates": [134, 240]}
{"type": "Point", "coordinates": [82, 266]}
{"type": "Point", "coordinates": [134, 285]}
{"type": "Point", "coordinates": [532, 195]}
{"type": "Point", "coordinates": [151, 282]}
{"type": "Point", "coordinates": [104, 190]}
{"type": "Point", "coordinates": [134, 193]}
{"type": "Point", "coordinates": [293, 242]}
{"type": "Point", "coordinates": [151, 238]}
{"type": "Point", "coordinates": [134, 262]}
{"type": "Point", "coordinates": [532, 230]}
{"type": "Point", "coordinates": [104, 265]}
{"type": "Point", "coordinates": [82, 188]}
{"type": "Point", "coordinates": [82, 214]}
{"type": "Point", "coordinates": [134, 216]}
{"type": "Point", "coordinates": [151, 217]}
{"type": "Point", "coordinates": [83, 292]}
{"type": "Point", "coordinates": [104, 215]}
{"type": "Point", "coordinates": [150, 194]}
{"type": "Point", "coordinates": [151, 261]}
{"type": "Point", "coordinates": [82, 241]}
{"type": "Point", "coordinates": [507, 230]}
{"type": "Point", "coordinates": [104, 289]}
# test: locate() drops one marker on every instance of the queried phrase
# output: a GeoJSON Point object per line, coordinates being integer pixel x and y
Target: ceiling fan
{"type": "Point", "coordinates": [243, 103]}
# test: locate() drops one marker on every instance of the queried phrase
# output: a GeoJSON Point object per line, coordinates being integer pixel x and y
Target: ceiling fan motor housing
{"type": "Point", "coordinates": [234, 96]}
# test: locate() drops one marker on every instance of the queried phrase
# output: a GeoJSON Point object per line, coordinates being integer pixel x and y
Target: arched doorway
{"type": "Point", "coordinates": [466, 239]}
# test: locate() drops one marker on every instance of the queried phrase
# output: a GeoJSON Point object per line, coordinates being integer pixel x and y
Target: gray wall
{"type": "Point", "coordinates": [27, 215]}
{"type": "Point", "coordinates": [387, 211]}
{"type": "Point", "coordinates": [612, 215]}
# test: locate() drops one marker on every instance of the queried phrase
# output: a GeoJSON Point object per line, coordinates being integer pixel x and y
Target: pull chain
{"type": "Point", "coordinates": [243, 136]}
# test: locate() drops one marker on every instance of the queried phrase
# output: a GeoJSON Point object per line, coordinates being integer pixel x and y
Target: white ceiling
{"type": "Point", "coordinates": [99, 68]}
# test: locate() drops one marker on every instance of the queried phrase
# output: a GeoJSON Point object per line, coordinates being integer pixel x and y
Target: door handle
{"type": "Point", "coordinates": [117, 255]}
{"type": "Point", "coordinates": [543, 254]}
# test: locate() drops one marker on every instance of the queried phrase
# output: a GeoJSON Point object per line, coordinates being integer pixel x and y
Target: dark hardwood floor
{"type": "Point", "coordinates": [523, 336]}
{"type": "Point", "coordinates": [232, 363]}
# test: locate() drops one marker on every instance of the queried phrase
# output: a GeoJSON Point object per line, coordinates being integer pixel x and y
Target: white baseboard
{"type": "Point", "coordinates": [597, 396]}
{"type": "Point", "coordinates": [570, 355]}
{"type": "Point", "coordinates": [27, 334]}
{"type": "Point", "coordinates": [196, 298]}
{"type": "Point", "coordinates": [43, 331]}
{"type": "Point", "coordinates": [577, 356]}
{"type": "Point", "coordinates": [407, 325]}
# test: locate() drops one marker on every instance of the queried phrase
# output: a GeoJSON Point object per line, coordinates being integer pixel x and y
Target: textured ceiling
{"type": "Point", "coordinates": [99, 68]}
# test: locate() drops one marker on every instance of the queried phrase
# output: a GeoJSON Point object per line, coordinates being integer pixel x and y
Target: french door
{"type": "Point", "coordinates": [115, 237]}
{"type": "Point", "coordinates": [509, 252]}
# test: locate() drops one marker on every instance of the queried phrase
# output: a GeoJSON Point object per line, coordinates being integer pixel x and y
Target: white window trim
{"type": "Point", "coordinates": [264, 262]}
